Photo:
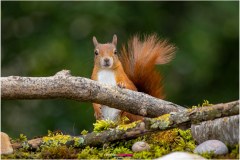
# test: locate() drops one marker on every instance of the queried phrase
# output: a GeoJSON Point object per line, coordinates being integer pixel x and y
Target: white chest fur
{"type": "Point", "coordinates": [108, 77]}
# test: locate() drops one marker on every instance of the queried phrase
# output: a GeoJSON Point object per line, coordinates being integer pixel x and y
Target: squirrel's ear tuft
{"type": "Point", "coordinates": [114, 41]}
{"type": "Point", "coordinates": [95, 42]}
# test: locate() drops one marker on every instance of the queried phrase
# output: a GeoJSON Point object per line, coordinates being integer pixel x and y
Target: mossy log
{"type": "Point", "coordinates": [224, 129]}
{"type": "Point", "coordinates": [64, 85]}
{"type": "Point", "coordinates": [148, 125]}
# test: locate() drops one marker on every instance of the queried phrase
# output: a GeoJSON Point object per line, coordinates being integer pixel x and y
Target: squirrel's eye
{"type": "Point", "coordinates": [96, 52]}
{"type": "Point", "coordinates": [115, 51]}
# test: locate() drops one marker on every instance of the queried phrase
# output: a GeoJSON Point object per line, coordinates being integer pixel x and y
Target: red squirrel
{"type": "Point", "coordinates": [133, 68]}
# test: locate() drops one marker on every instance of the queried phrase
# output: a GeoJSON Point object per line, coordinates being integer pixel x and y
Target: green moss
{"type": "Point", "coordinates": [22, 154]}
{"type": "Point", "coordinates": [88, 153]}
{"type": "Point", "coordinates": [102, 125]}
{"type": "Point", "coordinates": [56, 140]}
{"type": "Point", "coordinates": [121, 149]}
{"type": "Point", "coordinates": [234, 151]}
{"type": "Point", "coordinates": [58, 152]}
{"type": "Point", "coordinates": [22, 137]}
{"type": "Point", "coordinates": [164, 137]}
{"type": "Point", "coordinates": [84, 132]}
{"type": "Point", "coordinates": [164, 117]}
{"type": "Point", "coordinates": [159, 151]}
{"type": "Point", "coordinates": [174, 140]}
{"type": "Point", "coordinates": [208, 155]}
{"type": "Point", "coordinates": [204, 104]}
{"type": "Point", "coordinates": [186, 134]}
{"type": "Point", "coordinates": [143, 155]}
{"type": "Point", "coordinates": [78, 141]}
{"type": "Point", "coordinates": [124, 120]}
{"type": "Point", "coordinates": [23, 140]}
{"type": "Point", "coordinates": [161, 143]}
{"type": "Point", "coordinates": [127, 126]}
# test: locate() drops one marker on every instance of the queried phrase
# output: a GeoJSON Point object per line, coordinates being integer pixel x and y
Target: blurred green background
{"type": "Point", "coordinates": [42, 38]}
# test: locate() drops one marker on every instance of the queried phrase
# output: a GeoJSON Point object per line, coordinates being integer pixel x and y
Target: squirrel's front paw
{"type": "Point", "coordinates": [121, 85]}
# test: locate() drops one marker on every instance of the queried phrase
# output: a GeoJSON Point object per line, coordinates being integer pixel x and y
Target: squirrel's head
{"type": "Point", "coordinates": [106, 54]}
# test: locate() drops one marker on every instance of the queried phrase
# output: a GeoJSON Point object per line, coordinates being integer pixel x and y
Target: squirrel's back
{"type": "Point", "coordinates": [139, 59]}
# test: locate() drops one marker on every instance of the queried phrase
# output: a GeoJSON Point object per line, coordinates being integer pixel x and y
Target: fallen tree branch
{"type": "Point", "coordinates": [224, 129]}
{"type": "Point", "coordinates": [64, 85]}
{"type": "Point", "coordinates": [148, 125]}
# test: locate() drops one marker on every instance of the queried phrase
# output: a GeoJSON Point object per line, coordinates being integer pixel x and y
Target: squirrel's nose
{"type": "Point", "coordinates": [106, 60]}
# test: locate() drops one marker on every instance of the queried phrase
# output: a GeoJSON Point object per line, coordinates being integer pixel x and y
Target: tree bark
{"type": "Point", "coordinates": [148, 125]}
{"type": "Point", "coordinates": [224, 129]}
{"type": "Point", "coordinates": [63, 85]}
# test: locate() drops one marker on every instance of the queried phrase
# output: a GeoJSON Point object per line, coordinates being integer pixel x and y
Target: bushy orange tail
{"type": "Point", "coordinates": [139, 59]}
